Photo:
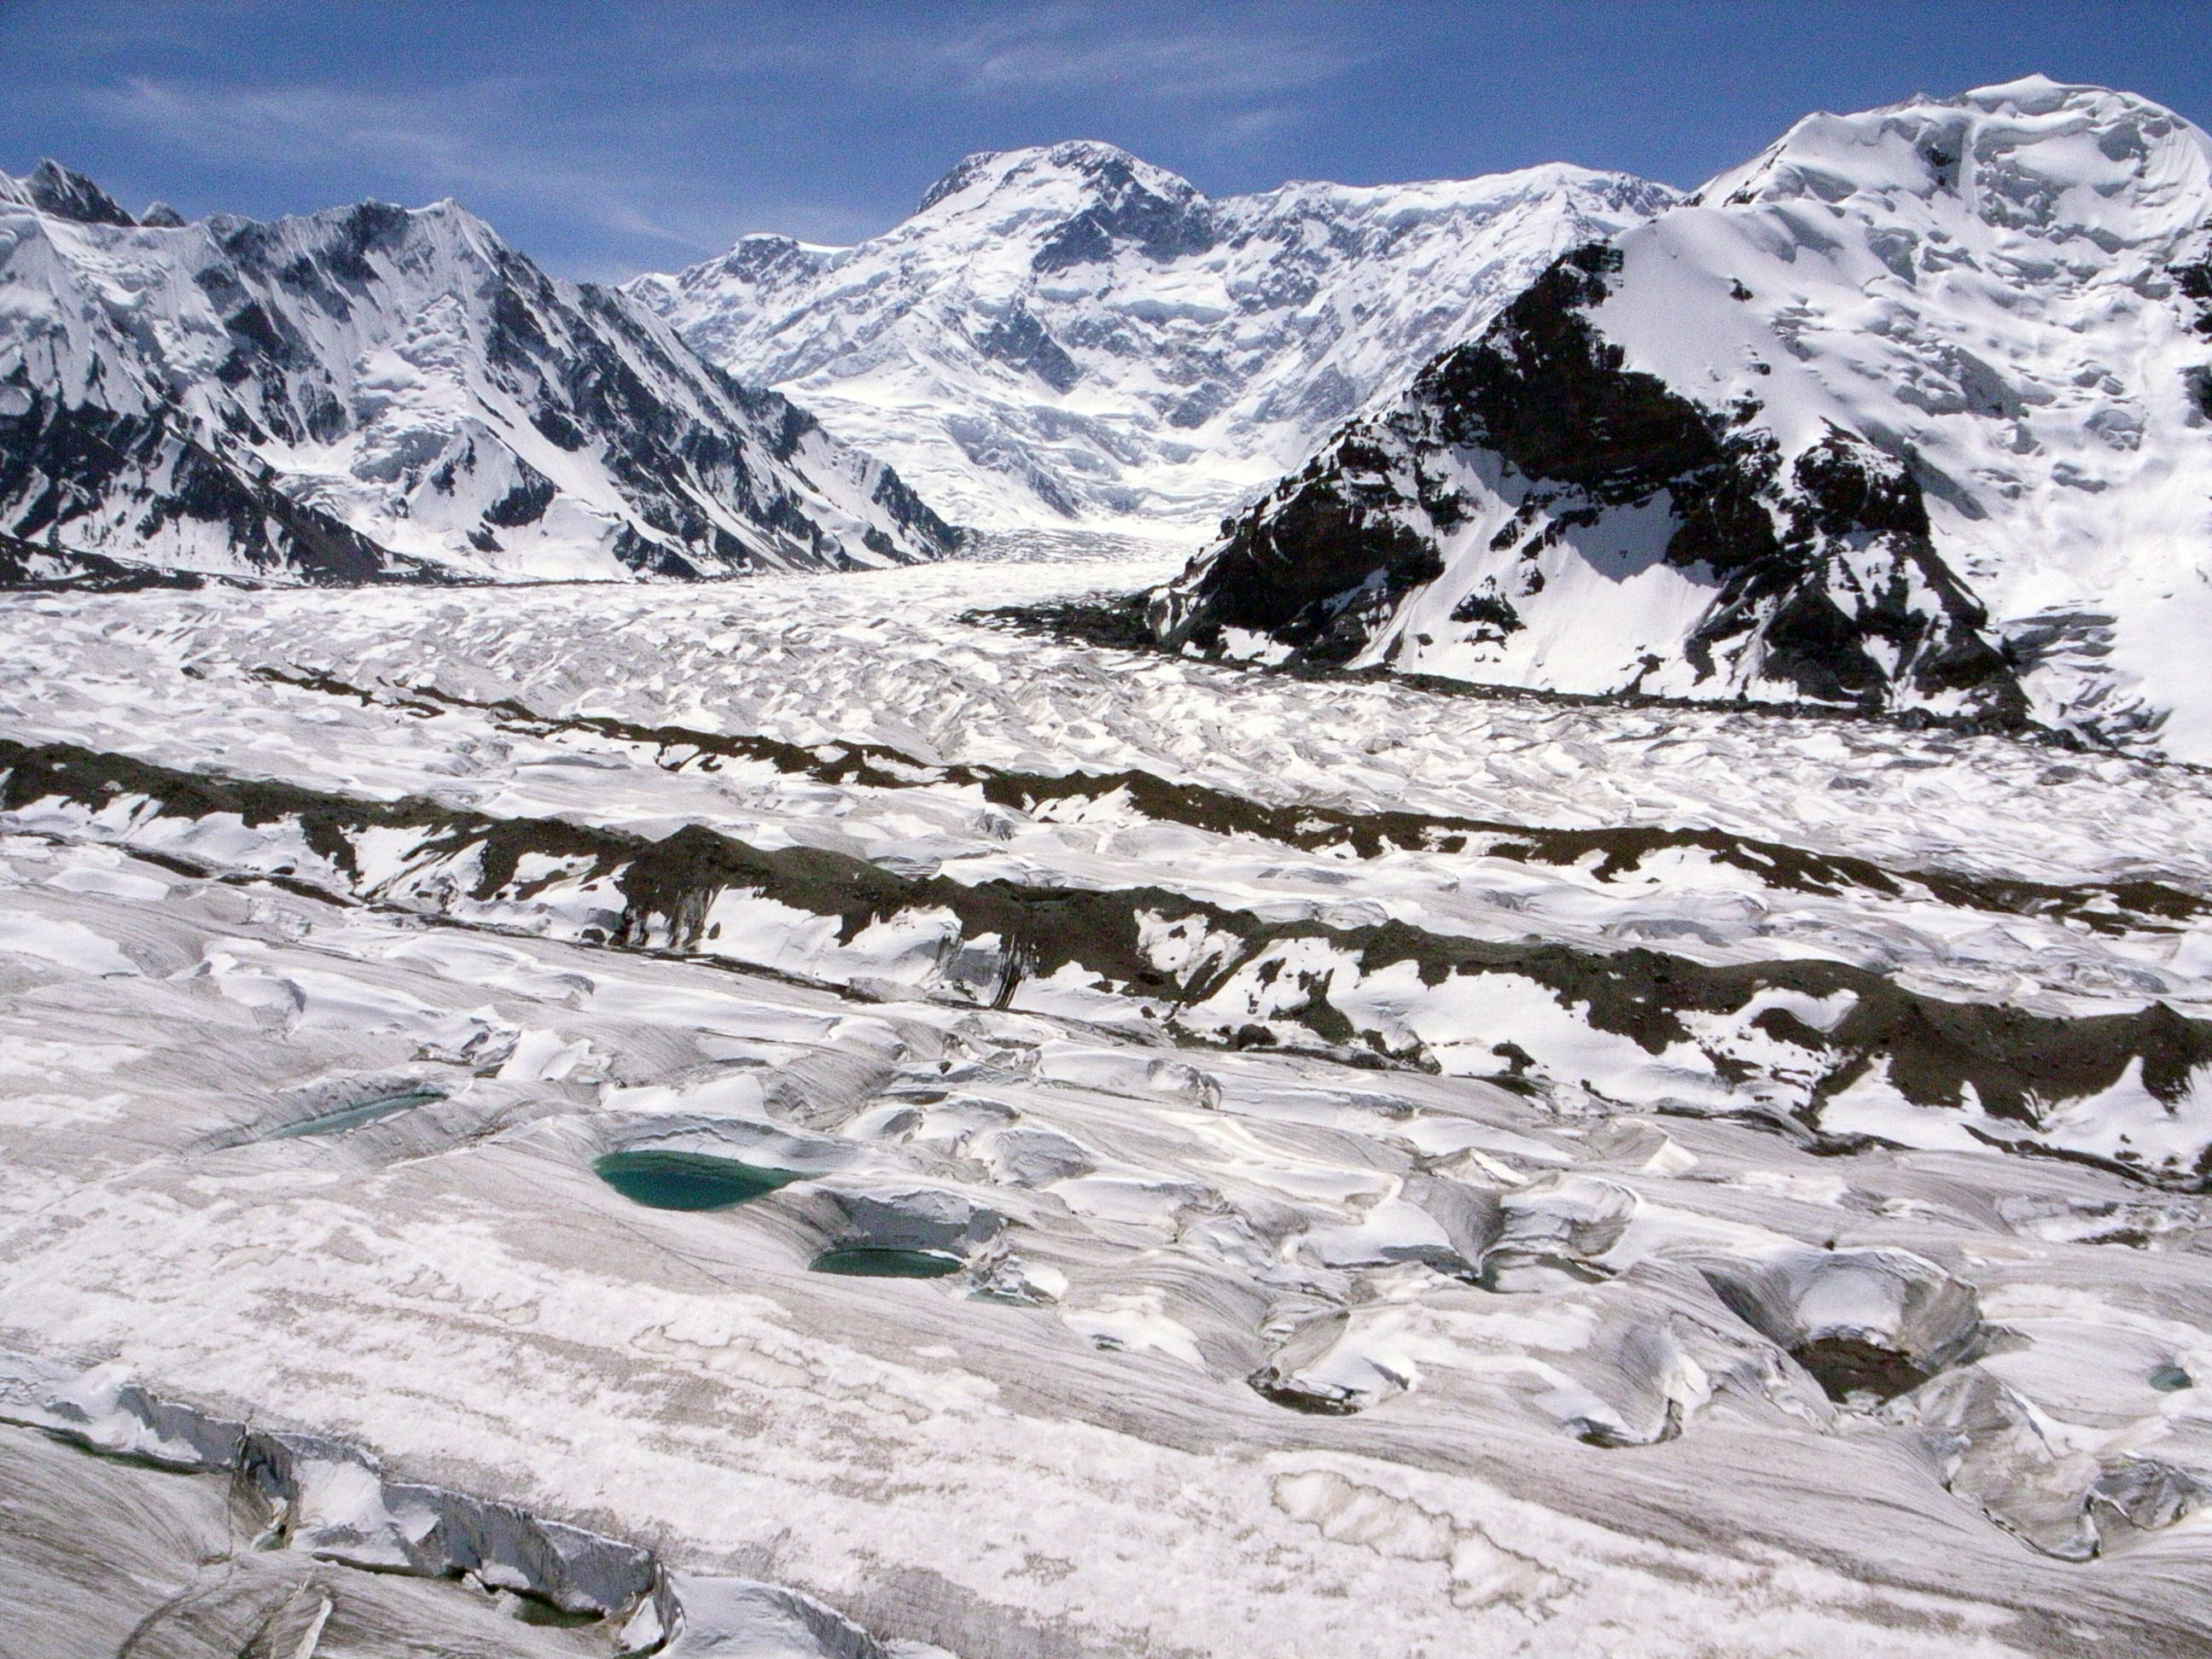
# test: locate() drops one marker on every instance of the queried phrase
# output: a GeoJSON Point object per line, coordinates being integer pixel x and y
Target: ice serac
{"type": "Point", "coordinates": [377, 392]}
{"type": "Point", "coordinates": [1069, 333]}
{"type": "Point", "coordinates": [1913, 411]}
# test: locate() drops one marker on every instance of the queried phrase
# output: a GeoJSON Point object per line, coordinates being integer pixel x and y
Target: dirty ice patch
{"type": "Point", "coordinates": [69, 944]}
{"type": "Point", "coordinates": [1135, 1322]}
{"type": "Point", "coordinates": [304, 999]}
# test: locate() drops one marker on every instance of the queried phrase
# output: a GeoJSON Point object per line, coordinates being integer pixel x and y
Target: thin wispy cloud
{"type": "Point", "coordinates": [1062, 46]}
{"type": "Point", "coordinates": [540, 140]}
{"type": "Point", "coordinates": [1219, 69]}
{"type": "Point", "coordinates": [448, 140]}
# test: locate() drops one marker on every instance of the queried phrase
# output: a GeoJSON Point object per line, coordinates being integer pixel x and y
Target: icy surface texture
{"type": "Point", "coordinates": [375, 392]}
{"type": "Point", "coordinates": [1911, 412]}
{"type": "Point", "coordinates": [198, 1537]}
{"type": "Point", "coordinates": [1421, 1172]}
{"type": "Point", "coordinates": [1070, 333]}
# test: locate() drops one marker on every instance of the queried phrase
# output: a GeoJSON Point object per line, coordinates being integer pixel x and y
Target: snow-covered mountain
{"type": "Point", "coordinates": [1914, 410]}
{"type": "Point", "coordinates": [549, 1120]}
{"type": "Point", "coordinates": [373, 393]}
{"type": "Point", "coordinates": [1072, 333]}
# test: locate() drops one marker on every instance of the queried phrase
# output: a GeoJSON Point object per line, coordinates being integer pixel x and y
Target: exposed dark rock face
{"type": "Point", "coordinates": [1019, 340]}
{"type": "Point", "coordinates": [1824, 578]}
{"type": "Point", "coordinates": [2194, 282]}
{"type": "Point", "coordinates": [26, 565]}
{"type": "Point", "coordinates": [1162, 225]}
{"type": "Point", "coordinates": [1545, 392]}
{"type": "Point", "coordinates": [1317, 567]}
{"type": "Point", "coordinates": [59, 464]}
{"type": "Point", "coordinates": [70, 195]}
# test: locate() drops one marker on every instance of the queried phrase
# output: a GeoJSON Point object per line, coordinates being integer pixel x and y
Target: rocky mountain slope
{"type": "Point", "coordinates": [375, 393]}
{"type": "Point", "coordinates": [1070, 333]}
{"type": "Point", "coordinates": [1912, 411]}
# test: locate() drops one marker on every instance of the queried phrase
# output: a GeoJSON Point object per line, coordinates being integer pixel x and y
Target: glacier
{"type": "Point", "coordinates": [1586, 1032]}
{"type": "Point", "coordinates": [1370, 1218]}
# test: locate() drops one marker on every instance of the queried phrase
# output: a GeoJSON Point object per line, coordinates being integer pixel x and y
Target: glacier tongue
{"type": "Point", "coordinates": [1360, 1216]}
{"type": "Point", "coordinates": [1911, 412]}
{"type": "Point", "coordinates": [375, 393]}
{"type": "Point", "coordinates": [1070, 333]}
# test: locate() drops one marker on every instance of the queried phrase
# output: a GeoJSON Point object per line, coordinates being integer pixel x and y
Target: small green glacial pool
{"type": "Point", "coordinates": [2171, 1379]}
{"type": "Point", "coordinates": [870, 1263]}
{"type": "Point", "coordinates": [353, 1117]}
{"type": "Point", "coordinates": [688, 1181]}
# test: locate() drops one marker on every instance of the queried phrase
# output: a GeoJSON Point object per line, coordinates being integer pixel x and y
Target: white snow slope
{"type": "Point", "coordinates": [1954, 363]}
{"type": "Point", "coordinates": [1411, 1174]}
{"type": "Point", "coordinates": [376, 391]}
{"type": "Point", "coordinates": [1070, 333]}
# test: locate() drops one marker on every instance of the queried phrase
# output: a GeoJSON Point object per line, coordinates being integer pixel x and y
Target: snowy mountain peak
{"type": "Point", "coordinates": [376, 390]}
{"type": "Point", "coordinates": [1069, 332]}
{"type": "Point", "coordinates": [1855, 424]}
{"type": "Point", "coordinates": [2032, 156]}
{"type": "Point", "coordinates": [67, 194]}
{"type": "Point", "coordinates": [1088, 199]}
{"type": "Point", "coordinates": [1075, 166]}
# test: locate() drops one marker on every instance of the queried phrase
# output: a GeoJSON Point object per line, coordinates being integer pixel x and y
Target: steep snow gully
{"type": "Point", "coordinates": [1589, 1034]}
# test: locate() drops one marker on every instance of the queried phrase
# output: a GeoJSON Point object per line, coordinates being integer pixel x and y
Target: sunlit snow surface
{"type": "Point", "coordinates": [1069, 332]}
{"type": "Point", "coordinates": [2006, 294]}
{"type": "Point", "coordinates": [1252, 1350]}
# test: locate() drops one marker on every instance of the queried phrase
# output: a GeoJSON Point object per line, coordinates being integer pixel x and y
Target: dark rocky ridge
{"type": "Point", "coordinates": [26, 565]}
{"type": "Point", "coordinates": [2019, 1066]}
{"type": "Point", "coordinates": [1321, 564]}
{"type": "Point", "coordinates": [60, 463]}
{"type": "Point", "coordinates": [68, 194]}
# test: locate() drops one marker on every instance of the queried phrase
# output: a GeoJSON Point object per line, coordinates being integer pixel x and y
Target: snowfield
{"type": "Point", "coordinates": [1395, 1172]}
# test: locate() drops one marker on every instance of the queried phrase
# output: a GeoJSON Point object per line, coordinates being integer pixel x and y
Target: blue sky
{"type": "Point", "coordinates": [606, 138]}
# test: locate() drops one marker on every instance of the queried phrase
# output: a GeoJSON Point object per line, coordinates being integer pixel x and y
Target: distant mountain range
{"type": "Point", "coordinates": [1909, 412]}
{"type": "Point", "coordinates": [1072, 334]}
{"type": "Point", "coordinates": [379, 394]}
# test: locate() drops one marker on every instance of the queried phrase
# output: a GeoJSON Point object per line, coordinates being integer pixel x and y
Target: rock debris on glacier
{"type": "Point", "coordinates": [331, 981]}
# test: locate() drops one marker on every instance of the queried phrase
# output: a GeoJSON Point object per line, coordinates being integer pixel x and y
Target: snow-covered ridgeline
{"type": "Point", "coordinates": [1070, 333]}
{"type": "Point", "coordinates": [377, 392]}
{"type": "Point", "coordinates": [1911, 412]}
